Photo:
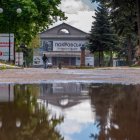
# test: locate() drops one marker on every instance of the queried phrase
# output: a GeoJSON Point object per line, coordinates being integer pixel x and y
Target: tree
{"type": "Point", "coordinates": [110, 104]}
{"type": "Point", "coordinates": [125, 25]}
{"type": "Point", "coordinates": [125, 4]}
{"type": "Point", "coordinates": [36, 16]}
{"type": "Point", "coordinates": [102, 37]}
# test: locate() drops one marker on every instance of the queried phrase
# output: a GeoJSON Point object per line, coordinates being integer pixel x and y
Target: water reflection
{"type": "Point", "coordinates": [91, 112]}
{"type": "Point", "coordinates": [22, 118]}
{"type": "Point", "coordinates": [117, 112]}
{"type": "Point", "coordinates": [63, 95]}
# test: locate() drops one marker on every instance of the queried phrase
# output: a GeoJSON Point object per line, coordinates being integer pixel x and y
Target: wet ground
{"type": "Point", "coordinates": [52, 104]}
{"type": "Point", "coordinates": [73, 111]}
{"type": "Point", "coordinates": [39, 75]}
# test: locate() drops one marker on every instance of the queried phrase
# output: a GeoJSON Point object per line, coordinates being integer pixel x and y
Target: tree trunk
{"type": "Point", "coordinates": [129, 51]}
{"type": "Point", "coordinates": [102, 58]}
{"type": "Point", "coordinates": [138, 19]}
{"type": "Point", "coordinates": [111, 59]}
{"type": "Point", "coordinates": [99, 58]}
{"type": "Point", "coordinates": [138, 23]}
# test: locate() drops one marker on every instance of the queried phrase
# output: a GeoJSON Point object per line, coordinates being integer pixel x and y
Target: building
{"type": "Point", "coordinates": [62, 44]}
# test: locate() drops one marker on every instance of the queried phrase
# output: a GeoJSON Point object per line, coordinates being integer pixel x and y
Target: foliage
{"type": "Point", "coordinates": [35, 42]}
{"type": "Point", "coordinates": [102, 37]}
{"type": "Point", "coordinates": [27, 54]}
{"type": "Point", "coordinates": [123, 47]}
{"type": "Point", "coordinates": [125, 18]}
{"type": "Point", "coordinates": [36, 16]}
{"type": "Point", "coordinates": [127, 10]}
{"type": "Point", "coordinates": [3, 67]}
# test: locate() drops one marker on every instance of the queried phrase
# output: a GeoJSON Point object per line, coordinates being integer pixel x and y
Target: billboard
{"type": "Point", "coordinates": [4, 46]}
{"type": "Point", "coordinates": [63, 45]}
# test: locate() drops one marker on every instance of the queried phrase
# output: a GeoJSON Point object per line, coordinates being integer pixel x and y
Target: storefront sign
{"type": "Point", "coordinates": [68, 45]}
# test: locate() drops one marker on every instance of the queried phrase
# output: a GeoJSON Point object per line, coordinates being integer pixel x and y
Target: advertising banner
{"type": "Point", "coordinates": [62, 46]}
{"type": "Point", "coordinates": [19, 58]}
{"type": "Point", "coordinates": [4, 46]}
{"type": "Point", "coordinates": [89, 61]}
{"type": "Point", "coordinates": [37, 60]}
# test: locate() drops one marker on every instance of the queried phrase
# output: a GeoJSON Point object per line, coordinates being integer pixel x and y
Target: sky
{"type": "Point", "coordinates": [79, 13]}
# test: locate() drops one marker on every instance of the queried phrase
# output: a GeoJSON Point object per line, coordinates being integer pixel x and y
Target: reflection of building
{"type": "Point", "coordinates": [62, 44]}
{"type": "Point", "coordinates": [64, 94]}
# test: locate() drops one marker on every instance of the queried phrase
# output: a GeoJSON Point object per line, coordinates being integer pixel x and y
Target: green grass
{"type": "Point", "coordinates": [3, 67]}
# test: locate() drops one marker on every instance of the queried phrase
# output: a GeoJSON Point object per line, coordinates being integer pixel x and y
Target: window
{"type": "Point", "coordinates": [63, 32]}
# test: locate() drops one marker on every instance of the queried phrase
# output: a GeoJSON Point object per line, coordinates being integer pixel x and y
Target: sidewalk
{"type": "Point", "coordinates": [40, 75]}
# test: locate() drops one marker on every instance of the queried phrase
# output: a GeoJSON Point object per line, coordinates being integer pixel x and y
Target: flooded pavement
{"type": "Point", "coordinates": [69, 111]}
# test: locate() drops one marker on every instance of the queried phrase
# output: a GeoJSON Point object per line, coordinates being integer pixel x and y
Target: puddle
{"type": "Point", "coordinates": [73, 111]}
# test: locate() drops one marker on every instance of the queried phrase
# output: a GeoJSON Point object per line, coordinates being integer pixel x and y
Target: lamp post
{"type": "Point", "coordinates": [18, 10]}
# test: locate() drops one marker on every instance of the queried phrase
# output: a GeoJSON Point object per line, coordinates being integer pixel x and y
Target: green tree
{"type": "Point", "coordinates": [36, 16]}
{"type": "Point", "coordinates": [102, 39]}
{"type": "Point", "coordinates": [125, 5]}
{"type": "Point", "coordinates": [125, 26]}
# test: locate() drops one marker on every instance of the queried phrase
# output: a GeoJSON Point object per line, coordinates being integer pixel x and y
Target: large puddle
{"type": "Point", "coordinates": [69, 111]}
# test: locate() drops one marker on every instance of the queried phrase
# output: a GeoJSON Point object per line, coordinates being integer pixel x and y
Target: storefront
{"type": "Point", "coordinates": [62, 44]}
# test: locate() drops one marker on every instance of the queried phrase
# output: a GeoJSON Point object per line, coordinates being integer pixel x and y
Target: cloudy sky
{"type": "Point", "coordinates": [79, 13]}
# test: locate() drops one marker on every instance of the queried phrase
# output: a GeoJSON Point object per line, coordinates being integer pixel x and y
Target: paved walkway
{"type": "Point", "coordinates": [39, 75]}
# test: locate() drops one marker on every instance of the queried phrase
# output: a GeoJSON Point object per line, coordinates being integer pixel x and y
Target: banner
{"type": "Point", "coordinates": [62, 46]}
{"type": "Point", "coordinates": [37, 60]}
{"type": "Point", "coordinates": [19, 58]}
{"type": "Point", "coordinates": [4, 46]}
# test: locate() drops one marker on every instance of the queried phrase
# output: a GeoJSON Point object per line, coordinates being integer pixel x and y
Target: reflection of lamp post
{"type": "Point", "coordinates": [9, 46]}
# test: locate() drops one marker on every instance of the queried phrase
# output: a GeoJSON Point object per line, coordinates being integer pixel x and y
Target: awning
{"type": "Point", "coordinates": [62, 54]}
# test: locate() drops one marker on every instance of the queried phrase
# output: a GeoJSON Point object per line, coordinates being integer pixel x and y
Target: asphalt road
{"type": "Point", "coordinates": [122, 75]}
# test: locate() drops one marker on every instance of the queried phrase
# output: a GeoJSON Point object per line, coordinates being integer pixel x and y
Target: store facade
{"type": "Point", "coordinates": [62, 44]}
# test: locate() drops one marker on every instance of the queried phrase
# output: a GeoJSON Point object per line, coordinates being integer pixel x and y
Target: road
{"type": "Point", "coordinates": [39, 75]}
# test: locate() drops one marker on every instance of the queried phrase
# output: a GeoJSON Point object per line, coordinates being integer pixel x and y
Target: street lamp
{"type": "Point", "coordinates": [18, 10]}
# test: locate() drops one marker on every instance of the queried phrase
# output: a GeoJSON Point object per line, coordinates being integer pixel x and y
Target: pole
{"type": "Point", "coordinates": [9, 46]}
{"type": "Point", "coordinates": [9, 40]}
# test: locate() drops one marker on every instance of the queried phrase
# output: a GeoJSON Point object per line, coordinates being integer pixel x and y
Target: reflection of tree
{"type": "Point", "coordinates": [25, 119]}
{"type": "Point", "coordinates": [117, 111]}
{"type": "Point", "coordinates": [127, 115]}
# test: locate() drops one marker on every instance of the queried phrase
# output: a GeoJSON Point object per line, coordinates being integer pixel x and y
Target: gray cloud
{"type": "Point", "coordinates": [73, 6]}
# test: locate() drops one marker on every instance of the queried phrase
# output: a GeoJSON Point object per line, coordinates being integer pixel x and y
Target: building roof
{"type": "Point", "coordinates": [64, 31]}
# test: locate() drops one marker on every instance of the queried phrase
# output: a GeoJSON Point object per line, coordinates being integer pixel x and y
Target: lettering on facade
{"type": "Point", "coordinates": [68, 45]}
